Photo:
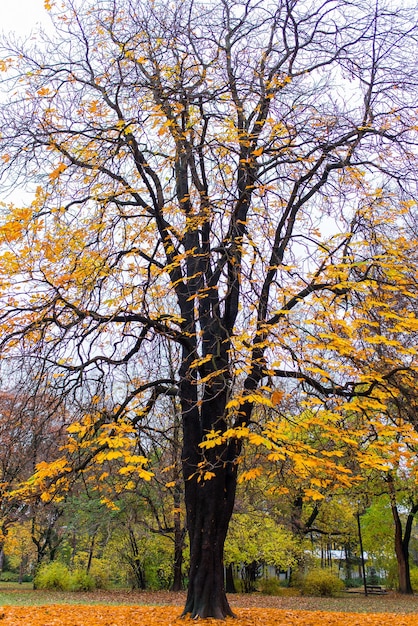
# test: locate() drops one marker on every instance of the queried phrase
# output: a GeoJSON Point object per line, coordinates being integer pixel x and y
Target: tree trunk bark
{"type": "Point", "coordinates": [134, 561]}
{"type": "Point", "coordinates": [206, 595]}
{"type": "Point", "coordinates": [91, 552]}
{"type": "Point", "coordinates": [402, 557]}
{"type": "Point", "coordinates": [179, 534]}
{"type": "Point", "coordinates": [402, 540]}
{"type": "Point", "coordinates": [179, 529]}
{"type": "Point", "coordinates": [229, 579]}
{"type": "Point", "coordinates": [210, 479]}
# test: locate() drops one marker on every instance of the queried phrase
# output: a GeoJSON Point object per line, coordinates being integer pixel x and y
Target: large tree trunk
{"type": "Point", "coordinates": [402, 548]}
{"type": "Point", "coordinates": [210, 486]}
{"type": "Point", "coordinates": [210, 516]}
{"type": "Point", "coordinates": [402, 540]}
{"type": "Point", "coordinates": [403, 570]}
{"type": "Point", "coordinates": [402, 556]}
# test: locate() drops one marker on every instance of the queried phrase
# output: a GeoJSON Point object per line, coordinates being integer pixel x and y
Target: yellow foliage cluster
{"type": "Point", "coordinates": [105, 443]}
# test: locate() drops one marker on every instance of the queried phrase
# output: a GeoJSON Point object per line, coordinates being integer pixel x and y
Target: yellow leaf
{"type": "Point", "coordinates": [208, 475]}
{"type": "Point", "coordinates": [250, 474]}
{"type": "Point", "coordinates": [57, 171]}
{"type": "Point", "coordinates": [235, 403]}
{"type": "Point", "coordinates": [314, 494]}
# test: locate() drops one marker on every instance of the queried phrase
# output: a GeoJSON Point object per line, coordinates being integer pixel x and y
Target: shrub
{"type": "Point", "coordinates": [9, 577]}
{"type": "Point", "coordinates": [274, 587]}
{"type": "Point", "coordinates": [321, 582]}
{"type": "Point", "coordinates": [56, 576]}
{"type": "Point", "coordinates": [53, 575]}
{"type": "Point", "coordinates": [289, 592]}
{"type": "Point", "coordinates": [270, 587]}
{"type": "Point", "coordinates": [414, 579]}
{"type": "Point", "coordinates": [158, 576]}
{"type": "Point", "coordinates": [81, 581]}
{"type": "Point", "coordinates": [27, 578]}
{"type": "Point", "coordinates": [372, 578]}
{"type": "Point", "coordinates": [100, 572]}
{"type": "Point", "coordinates": [392, 580]}
{"type": "Point", "coordinates": [353, 582]}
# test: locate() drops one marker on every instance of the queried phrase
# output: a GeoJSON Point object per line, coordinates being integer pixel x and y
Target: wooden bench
{"type": "Point", "coordinates": [375, 589]}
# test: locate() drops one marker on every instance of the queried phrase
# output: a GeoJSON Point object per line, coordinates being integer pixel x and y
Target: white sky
{"type": "Point", "coordinates": [21, 16]}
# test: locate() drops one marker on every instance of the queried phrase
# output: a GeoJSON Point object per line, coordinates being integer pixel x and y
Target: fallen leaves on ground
{"type": "Point", "coordinates": [61, 615]}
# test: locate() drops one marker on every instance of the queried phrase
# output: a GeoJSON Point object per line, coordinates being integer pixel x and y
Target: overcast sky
{"type": "Point", "coordinates": [21, 16]}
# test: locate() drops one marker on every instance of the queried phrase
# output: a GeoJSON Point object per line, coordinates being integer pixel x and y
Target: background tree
{"type": "Point", "coordinates": [32, 427]}
{"type": "Point", "coordinates": [402, 533]}
{"type": "Point", "coordinates": [20, 550]}
{"type": "Point", "coordinates": [255, 540]}
{"type": "Point", "coordinates": [377, 534]}
{"type": "Point", "coordinates": [183, 160]}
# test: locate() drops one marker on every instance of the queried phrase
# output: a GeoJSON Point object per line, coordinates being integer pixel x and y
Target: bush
{"type": "Point", "coordinates": [158, 576]}
{"type": "Point", "coordinates": [274, 587]}
{"type": "Point", "coordinates": [56, 576]}
{"type": "Point", "coordinates": [352, 583]}
{"type": "Point", "coordinates": [414, 579]}
{"type": "Point", "coordinates": [53, 575]}
{"type": "Point", "coordinates": [81, 581]}
{"type": "Point", "coordinates": [372, 578]}
{"type": "Point", "coordinates": [392, 580]}
{"type": "Point", "coordinates": [27, 578]}
{"type": "Point", "coordinates": [9, 577]}
{"type": "Point", "coordinates": [270, 587]}
{"type": "Point", "coordinates": [100, 572]}
{"type": "Point", "coordinates": [321, 582]}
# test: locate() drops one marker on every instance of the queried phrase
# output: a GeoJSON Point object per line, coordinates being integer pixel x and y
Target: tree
{"type": "Point", "coordinates": [31, 430]}
{"type": "Point", "coordinates": [183, 160]}
{"type": "Point", "coordinates": [20, 550]}
{"type": "Point", "coordinates": [402, 536]}
{"type": "Point", "coordinates": [164, 495]}
{"type": "Point", "coordinates": [255, 539]}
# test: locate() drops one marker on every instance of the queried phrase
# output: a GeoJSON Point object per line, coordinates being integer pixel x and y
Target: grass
{"type": "Point", "coordinates": [13, 594]}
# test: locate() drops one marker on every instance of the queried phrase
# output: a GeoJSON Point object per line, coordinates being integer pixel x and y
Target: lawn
{"type": "Point", "coordinates": [22, 605]}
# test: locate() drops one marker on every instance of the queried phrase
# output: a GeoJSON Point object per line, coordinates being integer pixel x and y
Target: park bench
{"type": "Point", "coordinates": [375, 589]}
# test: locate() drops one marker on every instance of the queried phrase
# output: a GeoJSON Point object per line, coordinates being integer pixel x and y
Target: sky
{"type": "Point", "coordinates": [21, 16]}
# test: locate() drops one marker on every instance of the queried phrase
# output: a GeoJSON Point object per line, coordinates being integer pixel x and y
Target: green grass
{"type": "Point", "coordinates": [13, 594]}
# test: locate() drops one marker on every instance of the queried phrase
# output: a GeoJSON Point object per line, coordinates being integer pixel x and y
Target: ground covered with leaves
{"type": "Point", "coordinates": [36, 608]}
{"type": "Point", "coordinates": [54, 615]}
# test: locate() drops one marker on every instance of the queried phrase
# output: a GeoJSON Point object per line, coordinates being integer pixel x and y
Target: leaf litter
{"type": "Point", "coordinates": [101, 615]}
